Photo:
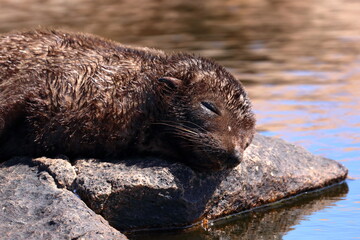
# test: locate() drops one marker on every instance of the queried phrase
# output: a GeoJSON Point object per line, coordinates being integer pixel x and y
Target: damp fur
{"type": "Point", "coordinates": [83, 96]}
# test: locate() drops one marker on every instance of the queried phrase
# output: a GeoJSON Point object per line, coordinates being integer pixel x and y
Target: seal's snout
{"type": "Point", "coordinates": [234, 158]}
{"type": "Point", "coordinates": [238, 155]}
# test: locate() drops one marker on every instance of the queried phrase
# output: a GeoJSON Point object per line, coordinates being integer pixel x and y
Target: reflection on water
{"type": "Point", "coordinates": [300, 63]}
{"type": "Point", "coordinates": [271, 222]}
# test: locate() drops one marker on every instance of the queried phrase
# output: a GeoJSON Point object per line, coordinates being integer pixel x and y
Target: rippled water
{"type": "Point", "coordinates": [299, 61]}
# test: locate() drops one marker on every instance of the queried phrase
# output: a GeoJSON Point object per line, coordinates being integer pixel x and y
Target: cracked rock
{"type": "Point", "coordinates": [33, 207]}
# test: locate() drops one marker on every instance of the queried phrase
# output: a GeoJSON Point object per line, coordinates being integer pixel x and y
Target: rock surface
{"type": "Point", "coordinates": [33, 207]}
{"type": "Point", "coordinates": [157, 194]}
{"type": "Point", "coordinates": [153, 193]}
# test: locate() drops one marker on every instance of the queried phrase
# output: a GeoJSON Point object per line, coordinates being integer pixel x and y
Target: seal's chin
{"type": "Point", "coordinates": [198, 158]}
{"type": "Point", "coordinates": [216, 162]}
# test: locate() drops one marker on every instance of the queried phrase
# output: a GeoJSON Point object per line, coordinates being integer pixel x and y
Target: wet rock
{"type": "Point", "coordinates": [269, 222]}
{"type": "Point", "coordinates": [274, 221]}
{"type": "Point", "coordinates": [33, 207]}
{"type": "Point", "coordinates": [150, 193]}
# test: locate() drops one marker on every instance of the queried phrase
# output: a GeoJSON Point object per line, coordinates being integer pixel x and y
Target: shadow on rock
{"type": "Point", "coordinates": [146, 193]}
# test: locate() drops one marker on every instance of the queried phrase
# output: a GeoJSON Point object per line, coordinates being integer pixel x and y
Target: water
{"type": "Point", "coordinates": [299, 61]}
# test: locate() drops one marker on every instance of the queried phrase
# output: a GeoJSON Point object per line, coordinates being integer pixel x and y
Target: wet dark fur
{"type": "Point", "coordinates": [83, 96]}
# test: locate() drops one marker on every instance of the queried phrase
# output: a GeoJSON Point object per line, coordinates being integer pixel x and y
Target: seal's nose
{"type": "Point", "coordinates": [238, 151]}
{"type": "Point", "coordinates": [234, 159]}
{"type": "Point", "coordinates": [238, 155]}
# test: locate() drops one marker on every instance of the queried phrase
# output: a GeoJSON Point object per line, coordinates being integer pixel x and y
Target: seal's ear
{"type": "Point", "coordinates": [171, 82]}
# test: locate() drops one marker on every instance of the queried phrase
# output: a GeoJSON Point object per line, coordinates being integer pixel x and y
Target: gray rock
{"type": "Point", "coordinates": [153, 193]}
{"type": "Point", "coordinates": [150, 193]}
{"type": "Point", "coordinates": [33, 207]}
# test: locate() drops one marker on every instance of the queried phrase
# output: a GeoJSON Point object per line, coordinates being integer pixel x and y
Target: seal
{"type": "Point", "coordinates": [83, 96]}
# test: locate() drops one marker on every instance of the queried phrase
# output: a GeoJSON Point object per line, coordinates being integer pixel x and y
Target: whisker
{"type": "Point", "coordinates": [182, 128]}
{"type": "Point", "coordinates": [188, 122]}
{"type": "Point", "coordinates": [195, 139]}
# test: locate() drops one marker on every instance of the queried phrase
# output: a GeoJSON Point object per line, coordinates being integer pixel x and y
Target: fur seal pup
{"type": "Point", "coordinates": [84, 96]}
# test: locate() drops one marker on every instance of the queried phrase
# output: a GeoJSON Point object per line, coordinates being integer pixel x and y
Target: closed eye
{"type": "Point", "coordinates": [210, 106]}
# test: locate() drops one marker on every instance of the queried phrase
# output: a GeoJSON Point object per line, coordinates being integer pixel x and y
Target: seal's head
{"type": "Point", "coordinates": [209, 122]}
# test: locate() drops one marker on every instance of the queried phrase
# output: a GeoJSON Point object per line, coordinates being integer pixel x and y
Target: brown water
{"type": "Point", "coordinates": [299, 61]}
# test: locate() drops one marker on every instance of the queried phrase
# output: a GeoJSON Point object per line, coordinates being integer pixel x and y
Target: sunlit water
{"type": "Point", "coordinates": [299, 61]}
